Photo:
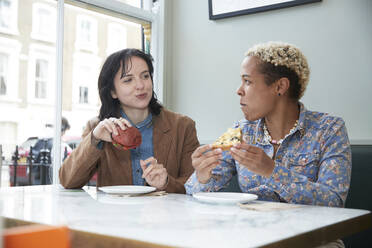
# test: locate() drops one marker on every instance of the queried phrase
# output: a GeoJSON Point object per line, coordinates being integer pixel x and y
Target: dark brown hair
{"type": "Point", "coordinates": [111, 107]}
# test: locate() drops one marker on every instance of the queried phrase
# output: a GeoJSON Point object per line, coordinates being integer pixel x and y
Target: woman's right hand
{"type": "Point", "coordinates": [109, 126]}
{"type": "Point", "coordinates": [204, 160]}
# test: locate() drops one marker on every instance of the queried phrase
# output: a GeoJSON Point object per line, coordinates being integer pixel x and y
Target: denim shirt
{"type": "Point", "coordinates": [312, 166]}
{"type": "Point", "coordinates": [144, 151]}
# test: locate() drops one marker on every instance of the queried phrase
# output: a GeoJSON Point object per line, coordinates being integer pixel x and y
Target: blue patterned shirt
{"type": "Point", "coordinates": [312, 166]}
{"type": "Point", "coordinates": [144, 151]}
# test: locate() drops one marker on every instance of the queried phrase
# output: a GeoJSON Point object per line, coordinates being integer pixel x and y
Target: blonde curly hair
{"type": "Point", "coordinates": [283, 54]}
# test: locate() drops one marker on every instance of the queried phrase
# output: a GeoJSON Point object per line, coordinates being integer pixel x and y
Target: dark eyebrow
{"type": "Point", "coordinates": [131, 75]}
{"type": "Point", "coordinates": [245, 76]}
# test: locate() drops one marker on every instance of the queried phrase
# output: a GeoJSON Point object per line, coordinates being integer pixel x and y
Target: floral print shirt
{"type": "Point", "coordinates": [312, 165]}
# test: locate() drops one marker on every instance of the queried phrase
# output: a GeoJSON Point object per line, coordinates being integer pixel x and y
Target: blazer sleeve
{"type": "Point", "coordinates": [80, 166]}
{"type": "Point", "coordinates": [191, 142]}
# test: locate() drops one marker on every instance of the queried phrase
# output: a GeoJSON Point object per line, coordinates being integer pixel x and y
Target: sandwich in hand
{"type": "Point", "coordinates": [231, 137]}
{"type": "Point", "coordinates": [129, 138]}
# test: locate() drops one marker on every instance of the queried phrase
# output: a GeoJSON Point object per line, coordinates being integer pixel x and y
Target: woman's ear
{"type": "Point", "coordinates": [113, 95]}
{"type": "Point", "coordinates": [282, 85]}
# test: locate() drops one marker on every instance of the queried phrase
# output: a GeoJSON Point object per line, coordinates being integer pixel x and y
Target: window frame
{"type": "Point", "coordinates": [13, 29]}
{"type": "Point", "coordinates": [37, 51]}
{"type": "Point", "coordinates": [157, 21]}
{"type": "Point", "coordinates": [80, 43]}
{"type": "Point", "coordinates": [112, 27]}
{"type": "Point", "coordinates": [41, 80]}
{"type": "Point", "coordinates": [85, 98]}
{"type": "Point", "coordinates": [13, 49]}
{"type": "Point", "coordinates": [4, 74]}
{"type": "Point", "coordinates": [50, 36]}
{"type": "Point", "coordinates": [85, 59]}
{"type": "Point", "coordinates": [157, 50]}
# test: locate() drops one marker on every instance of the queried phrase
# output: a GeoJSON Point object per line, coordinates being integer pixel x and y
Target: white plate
{"type": "Point", "coordinates": [224, 197]}
{"type": "Point", "coordinates": [127, 189]}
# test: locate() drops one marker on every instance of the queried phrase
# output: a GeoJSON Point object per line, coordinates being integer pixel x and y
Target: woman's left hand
{"type": "Point", "coordinates": [253, 158]}
{"type": "Point", "coordinates": [155, 174]}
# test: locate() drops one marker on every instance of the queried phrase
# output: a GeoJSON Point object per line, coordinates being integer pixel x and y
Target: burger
{"type": "Point", "coordinates": [129, 138]}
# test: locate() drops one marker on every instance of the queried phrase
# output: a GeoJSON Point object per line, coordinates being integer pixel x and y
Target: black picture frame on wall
{"type": "Point", "coordinates": [219, 9]}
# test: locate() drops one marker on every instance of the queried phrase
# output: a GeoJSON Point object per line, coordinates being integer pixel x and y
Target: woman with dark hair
{"type": "Point", "coordinates": [163, 160]}
{"type": "Point", "coordinates": [288, 153]}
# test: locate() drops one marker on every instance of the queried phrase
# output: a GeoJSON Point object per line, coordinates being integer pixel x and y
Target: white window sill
{"type": "Point", "coordinates": [39, 37]}
{"type": "Point", "coordinates": [11, 31]}
{"type": "Point", "coordinates": [86, 47]}
{"type": "Point", "coordinates": [46, 102]}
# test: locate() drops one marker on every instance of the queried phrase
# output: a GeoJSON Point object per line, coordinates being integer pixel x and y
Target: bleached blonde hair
{"type": "Point", "coordinates": [283, 54]}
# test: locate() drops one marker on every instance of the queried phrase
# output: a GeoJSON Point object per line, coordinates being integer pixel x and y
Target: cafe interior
{"type": "Point", "coordinates": [51, 56]}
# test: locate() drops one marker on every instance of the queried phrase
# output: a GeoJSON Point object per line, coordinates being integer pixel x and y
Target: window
{"type": "Point", "coordinates": [9, 61]}
{"type": "Point", "coordinates": [85, 76]}
{"type": "Point", "coordinates": [41, 78]}
{"type": "Point", "coordinates": [83, 94]}
{"type": "Point", "coordinates": [28, 78]}
{"type": "Point", "coordinates": [117, 38]}
{"type": "Point", "coordinates": [86, 33]}
{"type": "Point", "coordinates": [3, 73]}
{"type": "Point", "coordinates": [8, 16]}
{"type": "Point", "coordinates": [5, 11]}
{"type": "Point", "coordinates": [43, 22]}
{"type": "Point", "coordinates": [85, 68]}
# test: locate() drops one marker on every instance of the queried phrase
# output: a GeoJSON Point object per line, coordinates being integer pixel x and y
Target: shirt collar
{"type": "Point", "coordinates": [145, 123]}
{"type": "Point", "coordinates": [301, 119]}
{"type": "Point", "coordinates": [260, 137]}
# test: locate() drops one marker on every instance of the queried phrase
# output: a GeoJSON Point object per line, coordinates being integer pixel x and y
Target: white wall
{"type": "Point", "coordinates": [204, 56]}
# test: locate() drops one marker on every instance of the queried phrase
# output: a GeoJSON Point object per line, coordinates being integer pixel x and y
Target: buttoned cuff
{"type": "Point", "coordinates": [194, 186]}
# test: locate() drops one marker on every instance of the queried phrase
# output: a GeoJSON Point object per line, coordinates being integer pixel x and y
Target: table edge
{"type": "Point", "coordinates": [327, 233]}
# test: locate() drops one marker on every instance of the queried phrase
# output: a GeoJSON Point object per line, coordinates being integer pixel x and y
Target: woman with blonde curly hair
{"type": "Point", "coordinates": [288, 154]}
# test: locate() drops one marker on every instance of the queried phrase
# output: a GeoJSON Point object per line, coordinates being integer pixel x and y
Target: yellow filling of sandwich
{"type": "Point", "coordinates": [231, 137]}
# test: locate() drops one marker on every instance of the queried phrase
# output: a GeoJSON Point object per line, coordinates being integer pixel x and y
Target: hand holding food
{"type": "Point", "coordinates": [253, 158]}
{"type": "Point", "coordinates": [110, 127]}
{"type": "Point", "coordinates": [204, 159]}
{"type": "Point", "coordinates": [127, 139]}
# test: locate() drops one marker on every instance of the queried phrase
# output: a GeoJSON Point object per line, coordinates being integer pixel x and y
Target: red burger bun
{"type": "Point", "coordinates": [129, 138]}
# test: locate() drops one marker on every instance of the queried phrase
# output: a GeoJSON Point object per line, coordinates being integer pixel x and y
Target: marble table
{"type": "Point", "coordinates": [174, 220]}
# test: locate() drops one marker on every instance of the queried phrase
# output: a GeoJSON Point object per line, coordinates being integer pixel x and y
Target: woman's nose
{"type": "Point", "coordinates": [240, 91]}
{"type": "Point", "coordinates": [140, 84]}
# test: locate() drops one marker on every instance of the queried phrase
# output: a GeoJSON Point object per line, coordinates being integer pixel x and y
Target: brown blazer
{"type": "Point", "coordinates": [174, 139]}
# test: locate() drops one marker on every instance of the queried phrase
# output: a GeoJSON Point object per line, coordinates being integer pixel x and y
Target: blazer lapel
{"type": "Point", "coordinates": [162, 139]}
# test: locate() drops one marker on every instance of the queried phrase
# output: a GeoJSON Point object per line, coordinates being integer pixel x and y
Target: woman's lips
{"type": "Point", "coordinates": [142, 96]}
